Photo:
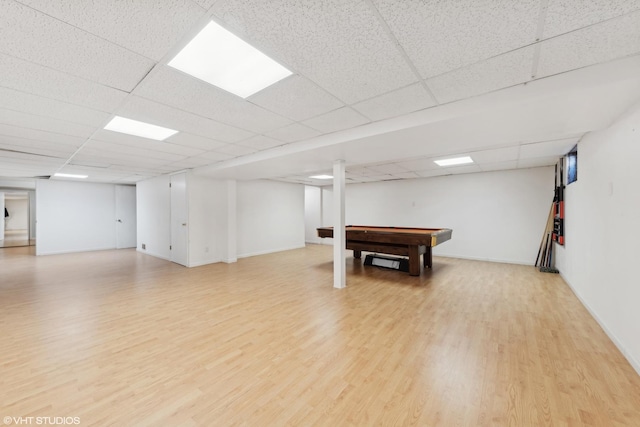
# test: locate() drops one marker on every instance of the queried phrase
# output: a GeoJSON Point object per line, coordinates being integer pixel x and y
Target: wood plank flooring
{"type": "Point", "coordinates": [120, 338]}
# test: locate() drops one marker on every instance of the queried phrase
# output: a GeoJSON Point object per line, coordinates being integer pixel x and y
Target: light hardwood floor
{"type": "Point", "coordinates": [120, 338]}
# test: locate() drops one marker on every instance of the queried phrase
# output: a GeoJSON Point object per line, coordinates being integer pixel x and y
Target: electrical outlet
{"type": "Point", "coordinates": [144, 246]}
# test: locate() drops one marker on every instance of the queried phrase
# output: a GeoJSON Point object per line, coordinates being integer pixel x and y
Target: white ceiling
{"type": "Point", "coordinates": [386, 85]}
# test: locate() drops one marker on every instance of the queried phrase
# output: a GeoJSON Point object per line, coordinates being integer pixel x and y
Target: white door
{"type": "Point", "coordinates": [126, 216]}
{"type": "Point", "coordinates": [179, 225]}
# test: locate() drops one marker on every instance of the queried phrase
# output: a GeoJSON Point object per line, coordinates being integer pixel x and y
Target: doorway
{"type": "Point", "coordinates": [17, 225]}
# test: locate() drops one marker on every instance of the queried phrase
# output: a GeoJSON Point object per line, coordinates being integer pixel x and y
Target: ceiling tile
{"type": "Point", "coordinates": [387, 168]}
{"type": "Point", "coordinates": [296, 98]}
{"type": "Point", "coordinates": [194, 141]}
{"type": "Point", "coordinates": [342, 118]}
{"type": "Point", "coordinates": [235, 150]}
{"type": "Point", "coordinates": [488, 167]}
{"type": "Point", "coordinates": [440, 36]}
{"type": "Point", "coordinates": [402, 101]}
{"type": "Point", "coordinates": [38, 135]}
{"type": "Point", "coordinates": [293, 132]}
{"type": "Point", "coordinates": [37, 147]}
{"type": "Point", "coordinates": [150, 145]}
{"type": "Point", "coordinates": [537, 162]}
{"type": "Point", "coordinates": [557, 148]}
{"type": "Point", "coordinates": [405, 175]}
{"type": "Point", "coordinates": [149, 27]}
{"type": "Point", "coordinates": [30, 121]}
{"type": "Point", "coordinates": [496, 73]}
{"type": "Point", "coordinates": [27, 34]}
{"type": "Point", "coordinates": [36, 79]}
{"type": "Point", "coordinates": [591, 45]}
{"type": "Point", "coordinates": [261, 142]}
{"type": "Point", "coordinates": [567, 15]}
{"type": "Point", "coordinates": [214, 156]}
{"type": "Point", "coordinates": [418, 164]}
{"type": "Point", "coordinates": [338, 44]}
{"type": "Point", "coordinates": [119, 150]}
{"type": "Point", "coordinates": [495, 155]}
{"type": "Point", "coordinates": [145, 110]}
{"type": "Point", "coordinates": [176, 89]}
{"type": "Point", "coordinates": [19, 101]}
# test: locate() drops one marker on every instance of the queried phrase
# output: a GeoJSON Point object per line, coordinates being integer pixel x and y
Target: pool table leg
{"type": "Point", "coordinates": [357, 254]}
{"type": "Point", "coordinates": [427, 260]}
{"type": "Point", "coordinates": [414, 261]}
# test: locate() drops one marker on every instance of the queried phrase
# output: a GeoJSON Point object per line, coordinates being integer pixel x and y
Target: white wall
{"type": "Point", "coordinates": [207, 220]}
{"type": "Point", "coordinates": [74, 217]}
{"type": "Point", "coordinates": [18, 213]}
{"type": "Point", "coordinates": [270, 217]}
{"type": "Point", "coordinates": [602, 226]}
{"type": "Point", "coordinates": [495, 216]}
{"type": "Point", "coordinates": [312, 213]}
{"type": "Point", "coordinates": [153, 210]}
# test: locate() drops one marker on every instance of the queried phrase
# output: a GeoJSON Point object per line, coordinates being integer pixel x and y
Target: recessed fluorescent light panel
{"type": "Point", "coordinates": [321, 177]}
{"type": "Point", "coordinates": [224, 60]}
{"type": "Point", "coordinates": [69, 175]}
{"type": "Point", "coordinates": [136, 128]}
{"type": "Point", "coordinates": [454, 161]}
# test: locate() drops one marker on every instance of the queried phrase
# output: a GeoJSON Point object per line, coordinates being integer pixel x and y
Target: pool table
{"type": "Point", "coordinates": [404, 241]}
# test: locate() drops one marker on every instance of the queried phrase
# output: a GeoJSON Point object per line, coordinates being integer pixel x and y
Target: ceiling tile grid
{"type": "Point", "coordinates": [37, 37]}
{"type": "Point", "coordinates": [441, 36]}
{"type": "Point", "coordinates": [501, 71]}
{"type": "Point", "coordinates": [563, 16]}
{"type": "Point", "coordinates": [178, 90]}
{"type": "Point", "coordinates": [36, 79]}
{"type": "Point", "coordinates": [31, 121]}
{"type": "Point", "coordinates": [602, 42]}
{"type": "Point", "coordinates": [147, 27]}
{"type": "Point", "coordinates": [293, 133]}
{"type": "Point", "coordinates": [396, 103]}
{"type": "Point", "coordinates": [338, 44]}
{"type": "Point", "coordinates": [342, 118]}
{"type": "Point", "coordinates": [296, 98]}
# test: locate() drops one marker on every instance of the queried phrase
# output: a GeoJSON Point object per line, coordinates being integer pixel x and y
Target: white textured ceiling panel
{"type": "Point", "coordinates": [20, 101]}
{"type": "Point", "coordinates": [402, 101]}
{"type": "Point", "coordinates": [293, 132]}
{"type": "Point", "coordinates": [498, 166]}
{"type": "Point", "coordinates": [30, 121]}
{"type": "Point", "coordinates": [150, 145]}
{"type": "Point", "coordinates": [495, 73]}
{"type": "Point", "coordinates": [599, 43]}
{"type": "Point", "coordinates": [148, 111]}
{"type": "Point", "coordinates": [39, 80]}
{"type": "Point", "coordinates": [339, 119]}
{"type": "Point", "coordinates": [124, 151]}
{"type": "Point", "coordinates": [37, 37]}
{"type": "Point", "coordinates": [537, 162]}
{"type": "Point", "coordinates": [261, 142]}
{"type": "Point", "coordinates": [176, 89]}
{"type": "Point", "coordinates": [567, 15]}
{"type": "Point", "coordinates": [133, 162]}
{"type": "Point", "coordinates": [194, 141]}
{"type": "Point", "coordinates": [214, 156]}
{"type": "Point", "coordinates": [235, 150]}
{"type": "Point", "coordinates": [37, 147]}
{"type": "Point", "coordinates": [147, 27]}
{"type": "Point", "coordinates": [495, 155]}
{"type": "Point", "coordinates": [338, 44]}
{"type": "Point", "coordinates": [440, 36]}
{"type": "Point", "coordinates": [388, 168]}
{"type": "Point", "coordinates": [418, 164]}
{"type": "Point", "coordinates": [55, 139]}
{"type": "Point", "coordinates": [296, 98]}
{"type": "Point", "coordinates": [556, 148]}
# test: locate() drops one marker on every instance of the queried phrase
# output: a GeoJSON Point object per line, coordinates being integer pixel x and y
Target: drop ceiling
{"type": "Point", "coordinates": [388, 86]}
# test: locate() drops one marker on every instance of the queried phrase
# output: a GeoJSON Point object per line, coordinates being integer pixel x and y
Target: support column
{"type": "Point", "coordinates": [339, 235]}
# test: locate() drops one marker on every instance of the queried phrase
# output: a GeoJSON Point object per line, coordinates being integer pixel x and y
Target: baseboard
{"type": "Point", "coordinates": [634, 363]}
{"type": "Point", "coordinates": [205, 262]}
{"type": "Point", "coordinates": [269, 251]}
{"type": "Point", "coordinates": [74, 251]}
{"type": "Point", "coordinates": [153, 254]}
{"type": "Point", "coordinates": [501, 261]}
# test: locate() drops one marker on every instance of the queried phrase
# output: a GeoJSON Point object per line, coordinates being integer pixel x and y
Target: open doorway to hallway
{"type": "Point", "coordinates": [18, 223]}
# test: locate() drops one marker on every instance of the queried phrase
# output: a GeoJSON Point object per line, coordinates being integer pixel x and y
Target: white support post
{"type": "Point", "coordinates": [339, 235]}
